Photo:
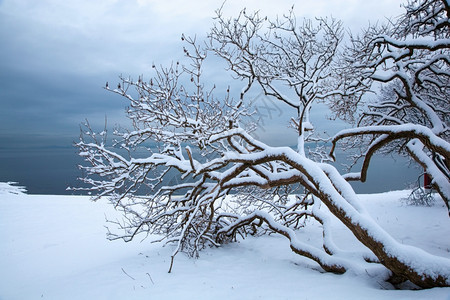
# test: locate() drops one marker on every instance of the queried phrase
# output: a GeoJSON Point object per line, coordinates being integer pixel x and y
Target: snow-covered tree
{"type": "Point", "coordinates": [230, 183]}
{"type": "Point", "coordinates": [410, 59]}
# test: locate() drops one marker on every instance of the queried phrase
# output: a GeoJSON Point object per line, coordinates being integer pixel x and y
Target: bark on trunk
{"type": "Point", "coordinates": [392, 259]}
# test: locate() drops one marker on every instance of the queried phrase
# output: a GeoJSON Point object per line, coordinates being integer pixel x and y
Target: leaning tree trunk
{"type": "Point", "coordinates": [326, 183]}
{"type": "Point", "coordinates": [405, 262]}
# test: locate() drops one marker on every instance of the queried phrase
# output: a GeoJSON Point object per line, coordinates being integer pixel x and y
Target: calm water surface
{"type": "Point", "coordinates": [51, 171]}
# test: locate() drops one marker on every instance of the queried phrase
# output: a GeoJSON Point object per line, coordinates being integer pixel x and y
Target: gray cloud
{"type": "Point", "coordinates": [55, 57]}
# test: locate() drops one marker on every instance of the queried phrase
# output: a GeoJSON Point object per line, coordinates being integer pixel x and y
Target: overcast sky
{"type": "Point", "coordinates": [55, 56]}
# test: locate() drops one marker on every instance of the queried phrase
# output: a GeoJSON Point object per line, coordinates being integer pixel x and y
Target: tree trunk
{"type": "Point", "coordinates": [405, 262]}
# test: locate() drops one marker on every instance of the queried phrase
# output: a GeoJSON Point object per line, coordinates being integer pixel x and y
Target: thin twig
{"type": "Point", "coordinates": [127, 274]}
{"type": "Point", "coordinates": [150, 277]}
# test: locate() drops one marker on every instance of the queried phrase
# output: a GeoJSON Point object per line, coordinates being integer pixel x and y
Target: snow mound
{"type": "Point", "coordinates": [9, 188]}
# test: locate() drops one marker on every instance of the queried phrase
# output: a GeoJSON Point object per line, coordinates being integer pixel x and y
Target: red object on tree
{"type": "Point", "coordinates": [426, 181]}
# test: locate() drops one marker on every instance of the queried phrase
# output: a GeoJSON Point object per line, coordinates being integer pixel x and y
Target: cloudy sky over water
{"type": "Point", "coordinates": [55, 56]}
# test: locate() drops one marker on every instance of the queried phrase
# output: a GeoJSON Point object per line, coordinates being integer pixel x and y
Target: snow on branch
{"type": "Point", "coordinates": [410, 59]}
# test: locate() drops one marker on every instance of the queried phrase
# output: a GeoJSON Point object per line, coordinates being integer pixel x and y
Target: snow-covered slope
{"type": "Point", "coordinates": [54, 247]}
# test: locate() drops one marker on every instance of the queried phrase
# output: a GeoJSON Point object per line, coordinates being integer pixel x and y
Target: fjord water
{"type": "Point", "coordinates": [52, 170]}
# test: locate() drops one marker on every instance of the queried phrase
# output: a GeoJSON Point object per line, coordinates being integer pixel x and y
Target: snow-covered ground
{"type": "Point", "coordinates": [54, 247]}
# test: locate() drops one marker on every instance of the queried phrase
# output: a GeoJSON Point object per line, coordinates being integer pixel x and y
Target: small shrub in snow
{"type": "Point", "coordinates": [420, 197]}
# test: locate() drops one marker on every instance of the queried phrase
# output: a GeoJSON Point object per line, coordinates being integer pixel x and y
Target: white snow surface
{"type": "Point", "coordinates": [11, 188]}
{"type": "Point", "coordinates": [55, 247]}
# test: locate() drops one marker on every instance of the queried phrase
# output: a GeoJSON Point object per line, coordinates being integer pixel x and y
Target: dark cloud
{"type": "Point", "coordinates": [51, 103]}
